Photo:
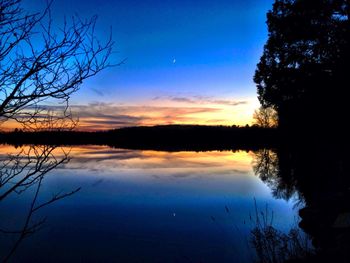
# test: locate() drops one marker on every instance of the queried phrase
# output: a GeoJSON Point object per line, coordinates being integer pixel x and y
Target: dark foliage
{"type": "Point", "coordinates": [317, 176]}
{"type": "Point", "coordinates": [168, 137]}
{"type": "Point", "coordinates": [303, 72]}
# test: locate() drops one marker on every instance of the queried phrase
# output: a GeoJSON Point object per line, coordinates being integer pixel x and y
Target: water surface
{"type": "Point", "coordinates": [138, 206]}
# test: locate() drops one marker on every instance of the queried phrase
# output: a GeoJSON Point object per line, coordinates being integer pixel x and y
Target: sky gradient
{"type": "Point", "coordinates": [186, 61]}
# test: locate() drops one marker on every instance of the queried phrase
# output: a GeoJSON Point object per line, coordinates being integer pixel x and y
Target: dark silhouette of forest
{"type": "Point", "coordinates": [167, 137]}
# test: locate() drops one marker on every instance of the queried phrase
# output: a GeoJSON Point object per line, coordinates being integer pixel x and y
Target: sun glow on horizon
{"type": "Point", "coordinates": [160, 111]}
{"type": "Point", "coordinates": [189, 65]}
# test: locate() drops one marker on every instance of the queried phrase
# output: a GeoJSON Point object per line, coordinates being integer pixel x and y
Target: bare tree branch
{"type": "Point", "coordinates": [265, 117]}
{"type": "Point", "coordinates": [31, 73]}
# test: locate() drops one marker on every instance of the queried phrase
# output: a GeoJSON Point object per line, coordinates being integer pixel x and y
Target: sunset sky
{"type": "Point", "coordinates": [186, 61]}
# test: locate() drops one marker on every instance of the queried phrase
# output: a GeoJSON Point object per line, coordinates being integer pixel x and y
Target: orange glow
{"type": "Point", "coordinates": [152, 162]}
{"type": "Point", "coordinates": [101, 116]}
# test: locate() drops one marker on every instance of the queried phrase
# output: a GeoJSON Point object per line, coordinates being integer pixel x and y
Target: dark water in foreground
{"type": "Point", "coordinates": [133, 206]}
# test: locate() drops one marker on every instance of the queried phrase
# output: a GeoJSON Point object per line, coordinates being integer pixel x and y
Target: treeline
{"type": "Point", "coordinates": [167, 137]}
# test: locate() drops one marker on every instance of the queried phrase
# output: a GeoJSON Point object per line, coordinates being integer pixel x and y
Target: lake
{"type": "Point", "coordinates": [102, 204]}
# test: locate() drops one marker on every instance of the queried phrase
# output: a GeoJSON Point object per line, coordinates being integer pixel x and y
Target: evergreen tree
{"type": "Point", "coordinates": [304, 69]}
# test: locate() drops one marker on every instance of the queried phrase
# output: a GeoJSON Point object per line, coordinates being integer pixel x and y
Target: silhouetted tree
{"type": "Point", "coordinates": [304, 66]}
{"type": "Point", "coordinates": [39, 63]}
{"type": "Point", "coordinates": [265, 117]}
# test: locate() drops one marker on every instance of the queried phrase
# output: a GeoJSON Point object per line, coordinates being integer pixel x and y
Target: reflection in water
{"type": "Point", "coordinates": [25, 171]}
{"type": "Point", "coordinates": [271, 244]}
{"type": "Point", "coordinates": [142, 206]}
{"type": "Point", "coordinates": [322, 183]}
{"type": "Point", "coordinates": [266, 165]}
{"type": "Point", "coordinates": [275, 246]}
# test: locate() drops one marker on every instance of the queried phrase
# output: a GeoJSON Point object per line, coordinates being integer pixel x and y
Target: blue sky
{"type": "Point", "coordinates": [174, 49]}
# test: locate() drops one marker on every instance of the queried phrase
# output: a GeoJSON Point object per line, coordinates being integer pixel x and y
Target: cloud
{"type": "Point", "coordinates": [229, 102]}
{"type": "Point", "coordinates": [98, 92]}
{"type": "Point", "coordinates": [215, 121]}
{"type": "Point", "coordinates": [202, 100]}
{"type": "Point", "coordinates": [182, 99]}
{"type": "Point", "coordinates": [183, 110]}
{"type": "Point", "coordinates": [97, 116]}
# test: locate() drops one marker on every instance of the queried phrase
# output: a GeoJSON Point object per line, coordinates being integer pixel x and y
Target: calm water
{"type": "Point", "coordinates": [133, 206]}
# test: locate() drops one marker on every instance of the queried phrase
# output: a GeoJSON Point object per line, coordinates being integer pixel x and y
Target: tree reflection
{"type": "Point", "coordinates": [317, 176]}
{"type": "Point", "coordinates": [275, 246]}
{"type": "Point", "coordinates": [25, 171]}
{"type": "Point", "coordinates": [266, 165]}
